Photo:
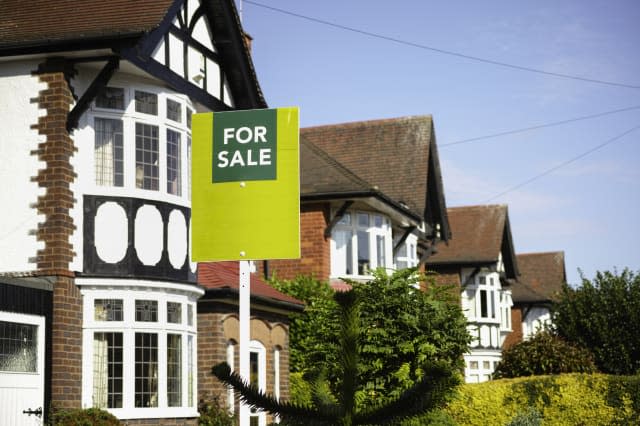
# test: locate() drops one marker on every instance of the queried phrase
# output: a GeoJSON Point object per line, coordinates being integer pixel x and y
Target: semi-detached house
{"type": "Point", "coordinates": [98, 297]}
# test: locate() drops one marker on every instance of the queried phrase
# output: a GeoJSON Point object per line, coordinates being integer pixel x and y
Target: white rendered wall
{"type": "Point", "coordinates": [536, 319]}
{"type": "Point", "coordinates": [19, 220]}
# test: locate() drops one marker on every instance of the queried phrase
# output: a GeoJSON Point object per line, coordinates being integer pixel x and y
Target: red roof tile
{"type": "Point", "coordinates": [477, 235]}
{"type": "Point", "coordinates": [219, 275]}
{"type": "Point", "coordinates": [544, 273]}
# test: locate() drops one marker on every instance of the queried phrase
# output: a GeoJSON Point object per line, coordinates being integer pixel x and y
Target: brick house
{"type": "Point", "coordinates": [542, 276]}
{"type": "Point", "coordinates": [480, 260]}
{"type": "Point", "coordinates": [98, 297]}
{"type": "Point", "coordinates": [371, 197]}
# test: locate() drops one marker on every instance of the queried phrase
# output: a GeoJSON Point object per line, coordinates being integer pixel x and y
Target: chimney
{"type": "Point", "coordinates": [247, 40]}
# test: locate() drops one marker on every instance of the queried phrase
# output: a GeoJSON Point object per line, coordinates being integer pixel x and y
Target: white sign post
{"type": "Point", "coordinates": [244, 331]}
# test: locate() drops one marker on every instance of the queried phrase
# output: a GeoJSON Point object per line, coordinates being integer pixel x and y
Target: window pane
{"type": "Point", "coordinates": [18, 347]}
{"type": "Point", "coordinates": [482, 280]}
{"type": "Point", "coordinates": [107, 370]}
{"type": "Point", "coordinates": [343, 258]}
{"type": "Point", "coordinates": [190, 372]}
{"type": "Point", "coordinates": [483, 303]}
{"type": "Point", "coordinates": [146, 156]}
{"type": "Point", "coordinates": [492, 296]}
{"type": "Point", "coordinates": [107, 310]}
{"type": "Point", "coordinates": [174, 167]}
{"type": "Point", "coordinates": [363, 220]}
{"type": "Point", "coordinates": [174, 312]}
{"type": "Point", "coordinates": [378, 221]}
{"type": "Point", "coordinates": [381, 248]}
{"type": "Point", "coordinates": [189, 114]}
{"type": "Point", "coordinates": [147, 310]}
{"type": "Point", "coordinates": [345, 219]}
{"type": "Point", "coordinates": [189, 167]}
{"type": "Point", "coordinates": [189, 314]}
{"type": "Point", "coordinates": [174, 370]}
{"type": "Point", "coordinates": [363, 252]}
{"type": "Point", "coordinates": [146, 102]}
{"type": "Point", "coordinates": [111, 98]}
{"type": "Point", "coordinates": [108, 152]}
{"type": "Point", "coordinates": [174, 110]}
{"type": "Point", "coordinates": [146, 370]}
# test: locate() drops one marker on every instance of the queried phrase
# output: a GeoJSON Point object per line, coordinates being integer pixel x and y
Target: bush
{"type": "Point", "coordinates": [530, 417]}
{"type": "Point", "coordinates": [544, 353]}
{"type": "Point", "coordinates": [603, 315]}
{"type": "Point", "coordinates": [82, 417]}
{"type": "Point", "coordinates": [213, 413]}
{"type": "Point", "coordinates": [567, 399]}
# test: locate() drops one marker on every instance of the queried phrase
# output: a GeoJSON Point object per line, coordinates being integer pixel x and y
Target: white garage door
{"type": "Point", "coordinates": [21, 369]}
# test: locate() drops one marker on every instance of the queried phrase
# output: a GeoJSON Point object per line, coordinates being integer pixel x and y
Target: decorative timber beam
{"type": "Point", "coordinates": [98, 84]}
{"type": "Point", "coordinates": [407, 231]}
{"type": "Point", "coordinates": [336, 218]}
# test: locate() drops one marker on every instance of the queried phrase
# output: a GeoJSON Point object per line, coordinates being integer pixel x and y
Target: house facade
{"type": "Point", "coordinates": [480, 260]}
{"type": "Point", "coordinates": [371, 197]}
{"type": "Point", "coordinates": [98, 297]}
{"type": "Point", "coordinates": [542, 276]}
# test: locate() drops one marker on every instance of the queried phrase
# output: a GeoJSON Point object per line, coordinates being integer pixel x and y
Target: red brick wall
{"type": "Point", "coordinates": [212, 350]}
{"type": "Point", "coordinates": [315, 249]}
{"type": "Point", "coordinates": [57, 175]}
{"type": "Point", "coordinates": [516, 326]}
{"type": "Point", "coordinates": [66, 350]}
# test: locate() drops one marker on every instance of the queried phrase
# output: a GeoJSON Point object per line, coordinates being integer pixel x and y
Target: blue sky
{"type": "Point", "coordinates": [589, 208]}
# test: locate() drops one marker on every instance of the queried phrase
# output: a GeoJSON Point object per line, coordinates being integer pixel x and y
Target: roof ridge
{"type": "Point", "coordinates": [376, 121]}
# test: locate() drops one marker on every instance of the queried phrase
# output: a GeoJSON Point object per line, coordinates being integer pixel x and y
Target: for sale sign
{"type": "Point", "coordinates": [245, 146]}
{"type": "Point", "coordinates": [245, 185]}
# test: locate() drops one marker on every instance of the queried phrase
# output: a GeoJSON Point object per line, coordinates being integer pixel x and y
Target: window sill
{"type": "Point", "coordinates": [154, 413]}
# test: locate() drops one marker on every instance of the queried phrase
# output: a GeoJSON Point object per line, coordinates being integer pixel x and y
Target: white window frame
{"type": "Point", "coordinates": [349, 224]}
{"type": "Point", "coordinates": [407, 253]}
{"type": "Point", "coordinates": [129, 117]}
{"type": "Point", "coordinates": [258, 348]}
{"type": "Point", "coordinates": [488, 282]}
{"type": "Point", "coordinates": [162, 293]}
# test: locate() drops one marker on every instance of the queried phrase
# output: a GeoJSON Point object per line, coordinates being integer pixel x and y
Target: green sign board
{"type": "Point", "coordinates": [245, 185]}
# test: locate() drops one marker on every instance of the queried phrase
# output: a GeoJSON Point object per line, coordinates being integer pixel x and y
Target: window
{"type": "Point", "coordinates": [146, 156]}
{"type": "Point", "coordinates": [407, 256]}
{"type": "Point", "coordinates": [146, 103]}
{"type": "Point", "coordinates": [258, 378]}
{"type": "Point", "coordinates": [361, 242]}
{"type": "Point", "coordinates": [174, 168]}
{"type": "Point", "coordinates": [139, 353]}
{"type": "Point", "coordinates": [107, 310]}
{"type": "Point", "coordinates": [107, 370]}
{"type": "Point", "coordinates": [231, 399]}
{"type": "Point", "coordinates": [18, 347]}
{"type": "Point", "coordinates": [142, 140]}
{"type": "Point", "coordinates": [146, 370]}
{"type": "Point", "coordinates": [174, 370]}
{"type": "Point", "coordinates": [111, 98]}
{"type": "Point", "coordinates": [174, 110]}
{"type": "Point", "coordinates": [483, 298]}
{"type": "Point", "coordinates": [108, 152]}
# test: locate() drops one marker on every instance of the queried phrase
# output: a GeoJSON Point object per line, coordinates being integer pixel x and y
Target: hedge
{"type": "Point", "coordinates": [567, 399]}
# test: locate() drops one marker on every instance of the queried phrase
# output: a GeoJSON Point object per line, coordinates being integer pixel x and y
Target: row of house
{"type": "Point", "coordinates": [100, 305]}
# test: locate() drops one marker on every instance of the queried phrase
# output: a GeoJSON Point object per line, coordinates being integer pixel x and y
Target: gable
{"type": "Point", "coordinates": [481, 237]}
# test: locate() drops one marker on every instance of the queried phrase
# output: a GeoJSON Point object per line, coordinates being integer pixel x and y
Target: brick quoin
{"type": "Point", "coordinates": [55, 231]}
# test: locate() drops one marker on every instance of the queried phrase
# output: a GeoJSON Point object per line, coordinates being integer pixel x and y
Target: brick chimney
{"type": "Point", "coordinates": [247, 40]}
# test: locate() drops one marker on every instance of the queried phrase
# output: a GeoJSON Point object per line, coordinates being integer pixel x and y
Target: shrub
{"type": "Point", "coordinates": [567, 399]}
{"type": "Point", "coordinates": [603, 315]}
{"type": "Point", "coordinates": [82, 417]}
{"type": "Point", "coordinates": [213, 413]}
{"type": "Point", "coordinates": [530, 417]}
{"type": "Point", "coordinates": [544, 353]}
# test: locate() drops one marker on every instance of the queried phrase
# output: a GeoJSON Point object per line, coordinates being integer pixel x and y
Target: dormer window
{"type": "Point", "coordinates": [361, 242]}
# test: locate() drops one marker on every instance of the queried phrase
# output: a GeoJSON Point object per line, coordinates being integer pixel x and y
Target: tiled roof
{"type": "Point", "coordinates": [22, 22]}
{"type": "Point", "coordinates": [390, 154]}
{"type": "Point", "coordinates": [226, 275]}
{"type": "Point", "coordinates": [543, 274]}
{"type": "Point", "coordinates": [477, 235]}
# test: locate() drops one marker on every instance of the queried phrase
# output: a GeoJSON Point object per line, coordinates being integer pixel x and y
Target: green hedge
{"type": "Point", "coordinates": [567, 399]}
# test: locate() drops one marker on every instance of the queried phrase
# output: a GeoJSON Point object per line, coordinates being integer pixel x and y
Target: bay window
{"type": "Point", "coordinates": [139, 356]}
{"type": "Point", "coordinates": [142, 140]}
{"type": "Point", "coordinates": [360, 243]}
